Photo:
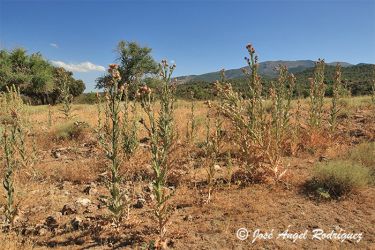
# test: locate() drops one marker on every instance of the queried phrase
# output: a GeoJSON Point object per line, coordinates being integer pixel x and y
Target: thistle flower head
{"type": "Point", "coordinates": [122, 88]}
{"type": "Point", "coordinates": [164, 63]}
{"type": "Point", "coordinates": [144, 90]}
{"type": "Point", "coordinates": [113, 66]}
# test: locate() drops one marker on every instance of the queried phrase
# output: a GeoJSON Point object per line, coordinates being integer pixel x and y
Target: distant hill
{"type": "Point", "coordinates": [357, 78]}
{"type": "Point", "coordinates": [266, 68]}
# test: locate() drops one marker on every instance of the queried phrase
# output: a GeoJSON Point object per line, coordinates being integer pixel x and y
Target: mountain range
{"type": "Point", "coordinates": [266, 68]}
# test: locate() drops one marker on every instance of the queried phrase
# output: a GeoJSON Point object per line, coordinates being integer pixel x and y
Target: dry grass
{"type": "Point", "coordinates": [61, 180]}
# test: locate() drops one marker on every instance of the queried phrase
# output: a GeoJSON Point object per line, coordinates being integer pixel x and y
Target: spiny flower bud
{"type": "Point", "coordinates": [122, 88]}
{"type": "Point", "coordinates": [113, 66]}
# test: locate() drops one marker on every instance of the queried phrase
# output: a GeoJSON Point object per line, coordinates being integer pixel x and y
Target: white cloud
{"type": "Point", "coordinates": [54, 45]}
{"type": "Point", "coordinates": [80, 67]}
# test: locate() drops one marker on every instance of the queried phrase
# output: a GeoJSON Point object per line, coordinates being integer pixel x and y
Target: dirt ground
{"type": "Point", "coordinates": [61, 205]}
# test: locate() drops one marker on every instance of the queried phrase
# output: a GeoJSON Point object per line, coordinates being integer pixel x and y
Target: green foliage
{"type": "Point", "coordinates": [34, 76]}
{"type": "Point", "coordinates": [135, 62]}
{"type": "Point", "coordinates": [86, 98]}
{"type": "Point", "coordinates": [355, 79]}
{"type": "Point", "coordinates": [337, 178]}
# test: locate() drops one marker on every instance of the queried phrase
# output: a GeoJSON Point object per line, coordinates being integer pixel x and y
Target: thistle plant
{"type": "Point", "coordinates": [14, 145]}
{"type": "Point", "coordinates": [16, 116]}
{"type": "Point", "coordinates": [66, 97]}
{"type": "Point", "coordinates": [229, 165]}
{"type": "Point", "coordinates": [212, 151]}
{"type": "Point", "coordinates": [317, 92]}
{"type": "Point", "coordinates": [373, 92]}
{"type": "Point", "coordinates": [191, 126]}
{"type": "Point", "coordinates": [281, 93]}
{"type": "Point", "coordinates": [8, 143]}
{"type": "Point", "coordinates": [296, 131]}
{"type": "Point", "coordinates": [259, 135]}
{"type": "Point", "coordinates": [109, 133]}
{"type": "Point", "coordinates": [129, 125]}
{"type": "Point", "coordinates": [49, 118]}
{"type": "Point", "coordinates": [162, 133]}
{"type": "Point", "coordinates": [336, 88]}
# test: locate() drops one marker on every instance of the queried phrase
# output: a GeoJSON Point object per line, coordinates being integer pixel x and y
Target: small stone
{"type": "Point", "coordinates": [68, 209]}
{"type": "Point", "coordinates": [51, 222]}
{"type": "Point", "coordinates": [140, 203]}
{"type": "Point", "coordinates": [83, 201]}
{"type": "Point", "coordinates": [217, 167]}
{"type": "Point", "coordinates": [91, 208]}
{"type": "Point", "coordinates": [28, 231]}
{"type": "Point", "coordinates": [56, 154]}
{"type": "Point", "coordinates": [76, 223]}
{"type": "Point", "coordinates": [188, 218]}
{"type": "Point", "coordinates": [90, 190]}
{"type": "Point", "coordinates": [148, 188]}
{"type": "Point", "coordinates": [42, 231]}
{"type": "Point", "coordinates": [323, 158]}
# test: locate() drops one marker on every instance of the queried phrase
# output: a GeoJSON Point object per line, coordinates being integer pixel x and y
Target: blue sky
{"type": "Point", "coordinates": [200, 36]}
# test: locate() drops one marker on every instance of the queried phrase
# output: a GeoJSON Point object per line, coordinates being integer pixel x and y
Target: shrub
{"type": "Point", "coordinates": [338, 178]}
{"type": "Point", "coordinates": [86, 98]}
{"type": "Point", "coordinates": [70, 130]}
{"type": "Point", "coordinates": [364, 153]}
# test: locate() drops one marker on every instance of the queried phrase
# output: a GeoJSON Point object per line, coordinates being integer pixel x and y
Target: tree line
{"type": "Point", "coordinates": [37, 79]}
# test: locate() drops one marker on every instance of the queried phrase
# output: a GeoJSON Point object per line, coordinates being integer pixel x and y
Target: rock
{"type": "Point", "coordinates": [68, 209]}
{"type": "Point", "coordinates": [28, 231]}
{"type": "Point", "coordinates": [51, 222]}
{"type": "Point", "coordinates": [90, 190]}
{"type": "Point", "coordinates": [42, 231]}
{"type": "Point", "coordinates": [83, 201]}
{"type": "Point", "coordinates": [144, 140]}
{"type": "Point", "coordinates": [148, 188]}
{"type": "Point", "coordinates": [217, 167]}
{"type": "Point", "coordinates": [188, 218]}
{"type": "Point", "coordinates": [90, 209]}
{"type": "Point", "coordinates": [102, 177]}
{"type": "Point", "coordinates": [76, 223]}
{"type": "Point", "coordinates": [357, 133]}
{"type": "Point", "coordinates": [56, 154]}
{"type": "Point", "coordinates": [140, 203]}
{"type": "Point", "coordinates": [323, 158]}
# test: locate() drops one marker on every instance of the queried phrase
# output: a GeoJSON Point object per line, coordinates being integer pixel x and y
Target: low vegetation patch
{"type": "Point", "coordinates": [70, 130]}
{"type": "Point", "coordinates": [338, 178]}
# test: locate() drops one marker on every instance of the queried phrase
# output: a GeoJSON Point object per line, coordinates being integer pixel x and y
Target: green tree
{"type": "Point", "coordinates": [135, 62]}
